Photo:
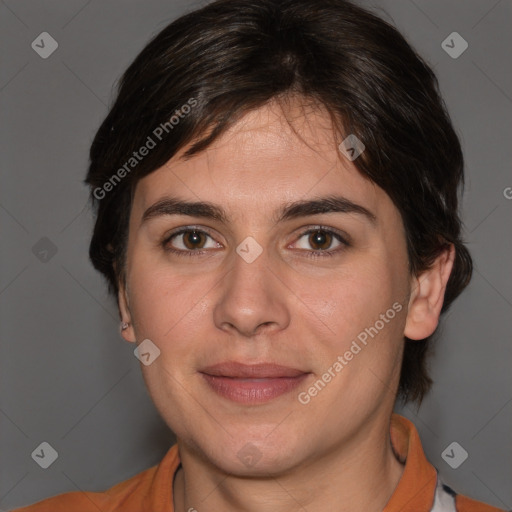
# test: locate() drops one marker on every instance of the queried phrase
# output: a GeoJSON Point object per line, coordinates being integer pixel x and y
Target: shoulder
{"type": "Point", "coordinates": [130, 492]}
{"type": "Point", "coordinates": [76, 501]}
{"type": "Point", "coordinates": [465, 504]}
{"type": "Point", "coordinates": [146, 491]}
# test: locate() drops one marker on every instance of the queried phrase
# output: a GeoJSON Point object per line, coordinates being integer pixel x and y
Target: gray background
{"type": "Point", "coordinates": [69, 379]}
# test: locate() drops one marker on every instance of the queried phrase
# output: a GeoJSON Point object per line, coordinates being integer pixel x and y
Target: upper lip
{"type": "Point", "coordinates": [235, 369]}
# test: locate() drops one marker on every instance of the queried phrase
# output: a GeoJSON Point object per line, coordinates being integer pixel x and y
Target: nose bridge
{"type": "Point", "coordinates": [249, 276]}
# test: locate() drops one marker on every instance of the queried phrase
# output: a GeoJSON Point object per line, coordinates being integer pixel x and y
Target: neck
{"type": "Point", "coordinates": [359, 474]}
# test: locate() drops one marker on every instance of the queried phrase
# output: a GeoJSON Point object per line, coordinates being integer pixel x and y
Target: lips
{"type": "Point", "coordinates": [252, 384]}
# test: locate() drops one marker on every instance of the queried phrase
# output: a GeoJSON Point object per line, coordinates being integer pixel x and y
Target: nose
{"type": "Point", "coordinates": [252, 298]}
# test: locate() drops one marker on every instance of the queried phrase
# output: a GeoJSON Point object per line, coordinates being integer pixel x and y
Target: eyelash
{"type": "Point", "coordinates": [311, 254]}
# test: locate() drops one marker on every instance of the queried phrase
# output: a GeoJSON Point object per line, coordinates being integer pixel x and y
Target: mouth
{"type": "Point", "coordinates": [252, 384]}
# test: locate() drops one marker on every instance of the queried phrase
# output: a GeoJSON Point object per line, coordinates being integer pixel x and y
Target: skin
{"type": "Point", "coordinates": [333, 453]}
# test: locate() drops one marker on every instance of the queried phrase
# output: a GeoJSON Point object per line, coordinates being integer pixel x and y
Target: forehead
{"type": "Point", "coordinates": [269, 157]}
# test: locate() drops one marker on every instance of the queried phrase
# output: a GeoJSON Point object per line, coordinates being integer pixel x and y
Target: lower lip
{"type": "Point", "coordinates": [252, 391]}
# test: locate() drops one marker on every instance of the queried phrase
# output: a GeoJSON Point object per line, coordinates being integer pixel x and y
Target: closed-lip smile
{"type": "Point", "coordinates": [252, 383]}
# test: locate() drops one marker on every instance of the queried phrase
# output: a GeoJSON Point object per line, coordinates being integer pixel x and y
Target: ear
{"type": "Point", "coordinates": [124, 308]}
{"type": "Point", "coordinates": [427, 296]}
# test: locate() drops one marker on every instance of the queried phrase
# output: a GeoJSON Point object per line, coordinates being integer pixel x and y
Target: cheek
{"type": "Point", "coordinates": [353, 298]}
{"type": "Point", "coordinates": [365, 312]}
{"type": "Point", "coordinates": [366, 317]}
{"type": "Point", "coordinates": [168, 309]}
{"type": "Point", "coordinates": [161, 300]}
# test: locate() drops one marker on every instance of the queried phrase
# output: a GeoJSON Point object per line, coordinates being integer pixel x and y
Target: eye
{"type": "Point", "coordinates": [189, 241]}
{"type": "Point", "coordinates": [321, 240]}
{"type": "Point", "coordinates": [192, 241]}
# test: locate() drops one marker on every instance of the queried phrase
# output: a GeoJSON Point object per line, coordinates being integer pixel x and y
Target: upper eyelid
{"type": "Point", "coordinates": [185, 229]}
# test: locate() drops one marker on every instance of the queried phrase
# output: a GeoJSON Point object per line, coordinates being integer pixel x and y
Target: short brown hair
{"type": "Point", "coordinates": [233, 56]}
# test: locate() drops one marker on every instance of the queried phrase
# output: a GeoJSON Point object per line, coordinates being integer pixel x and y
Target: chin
{"type": "Point", "coordinates": [247, 456]}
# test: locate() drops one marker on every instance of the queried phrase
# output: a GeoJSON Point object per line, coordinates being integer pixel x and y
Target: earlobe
{"type": "Point", "coordinates": [427, 296]}
{"type": "Point", "coordinates": [126, 327]}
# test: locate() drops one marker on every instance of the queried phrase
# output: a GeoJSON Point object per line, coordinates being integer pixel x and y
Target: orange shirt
{"type": "Point", "coordinates": [151, 490]}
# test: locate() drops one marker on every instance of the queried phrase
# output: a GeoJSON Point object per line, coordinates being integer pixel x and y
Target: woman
{"type": "Point", "coordinates": [276, 189]}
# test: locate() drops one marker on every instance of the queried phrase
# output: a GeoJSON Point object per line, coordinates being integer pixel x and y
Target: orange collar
{"type": "Point", "coordinates": [416, 488]}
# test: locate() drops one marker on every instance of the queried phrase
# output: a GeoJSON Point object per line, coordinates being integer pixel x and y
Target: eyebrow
{"type": "Point", "coordinates": [293, 210]}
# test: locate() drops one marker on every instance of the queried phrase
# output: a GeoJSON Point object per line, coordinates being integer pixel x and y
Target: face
{"type": "Point", "coordinates": [280, 328]}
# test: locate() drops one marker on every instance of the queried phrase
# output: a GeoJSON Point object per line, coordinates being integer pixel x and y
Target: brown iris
{"type": "Point", "coordinates": [193, 237]}
{"type": "Point", "coordinates": [320, 238]}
